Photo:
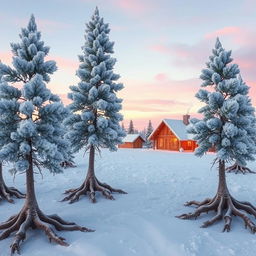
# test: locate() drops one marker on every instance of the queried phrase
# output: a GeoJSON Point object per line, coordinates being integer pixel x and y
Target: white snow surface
{"type": "Point", "coordinates": [141, 223]}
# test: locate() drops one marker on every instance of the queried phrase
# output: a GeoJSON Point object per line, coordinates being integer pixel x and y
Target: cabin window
{"type": "Point", "coordinates": [161, 142]}
{"type": "Point", "coordinates": [189, 143]}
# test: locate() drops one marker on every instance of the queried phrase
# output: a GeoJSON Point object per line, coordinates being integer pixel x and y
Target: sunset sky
{"type": "Point", "coordinates": [161, 46]}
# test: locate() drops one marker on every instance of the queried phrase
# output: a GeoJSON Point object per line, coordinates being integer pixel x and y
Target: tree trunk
{"type": "Point", "coordinates": [222, 187]}
{"type": "Point", "coordinates": [91, 184]}
{"type": "Point", "coordinates": [90, 172]}
{"type": "Point", "coordinates": [31, 201]}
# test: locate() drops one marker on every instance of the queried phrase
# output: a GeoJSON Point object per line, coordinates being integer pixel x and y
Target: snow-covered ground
{"type": "Point", "coordinates": [142, 222]}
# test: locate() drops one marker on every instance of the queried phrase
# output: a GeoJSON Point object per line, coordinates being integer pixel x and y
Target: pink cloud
{"type": "Point", "coordinates": [161, 77]}
{"type": "Point", "coordinates": [158, 99]}
{"type": "Point", "coordinates": [153, 105]}
{"type": "Point", "coordinates": [193, 57]}
{"type": "Point", "coordinates": [185, 56]}
{"type": "Point", "coordinates": [160, 48]}
{"type": "Point", "coordinates": [224, 31]}
{"type": "Point", "coordinates": [132, 6]}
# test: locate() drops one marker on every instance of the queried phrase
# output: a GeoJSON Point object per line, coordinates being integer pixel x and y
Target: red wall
{"type": "Point", "coordinates": [165, 139]}
{"type": "Point", "coordinates": [136, 144]}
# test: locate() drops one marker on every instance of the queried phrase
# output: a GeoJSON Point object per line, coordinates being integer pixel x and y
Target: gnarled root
{"type": "Point", "coordinates": [90, 186]}
{"type": "Point", "coordinates": [34, 218]}
{"type": "Point", "coordinates": [225, 206]}
{"type": "Point", "coordinates": [7, 192]}
{"type": "Point", "coordinates": [236, 168]}
{"type": "Point", "coordinates": [68, 164]}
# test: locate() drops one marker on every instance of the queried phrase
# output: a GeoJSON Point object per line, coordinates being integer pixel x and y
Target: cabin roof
{"type": "Point", "coordinates": [132, 137]}
{"type": "Point", "coordinates": [177, 127]}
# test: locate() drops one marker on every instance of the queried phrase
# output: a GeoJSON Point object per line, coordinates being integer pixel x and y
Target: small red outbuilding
{"type": "Point", "coordinates": [132, 141]}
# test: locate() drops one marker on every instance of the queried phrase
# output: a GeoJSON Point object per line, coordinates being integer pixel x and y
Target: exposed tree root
{"type": "Point", "coordinates": [89, 187]}
{"type": "Point", "coordinates": [225, 206]}
{"type": "Point", "coordinates": [236, 168]}
{"type": "Point", "coordinates": [34, 218]}
{"type": "Point", "coordinates": [68, 164]}
{"type": "Point", "coordinates": [7, 192]}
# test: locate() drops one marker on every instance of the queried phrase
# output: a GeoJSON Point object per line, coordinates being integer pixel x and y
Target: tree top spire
{"type": "Point", "coordinates": [96, 12]}
{"type": "Point", "coordinates": [32, 23]}
{"type": "Point", "coordinates": [218, 43]}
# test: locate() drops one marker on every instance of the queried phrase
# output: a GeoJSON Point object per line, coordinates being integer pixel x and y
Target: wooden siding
{"type": "Point", "coordinates": [136, 144]}
{"type": "Point", "coordinates": [165, 139]}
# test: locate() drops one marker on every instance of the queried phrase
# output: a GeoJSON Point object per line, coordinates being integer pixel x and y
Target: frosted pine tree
{"type": "Point", "coordinates": [149, 131]}
{"type": "Point", "coordinates": [6, 193]}
{"type": "Point", "coordinates": [34, 115]}
{"type": "Point", "coordinates": [228, 124]}
{"type": "Point", "coordinates": [123, 128]}
{"type": "Point", "coordinates": [131, 129]}
{"type": "Point", "coordinates": [95, 107]}
{"type": "Point", "coordinates": [238, 167]}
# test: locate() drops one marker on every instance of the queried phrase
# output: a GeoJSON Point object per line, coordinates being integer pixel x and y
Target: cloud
{"type": "Point", "coordinates": [161, 77]}
{"type": "Point", "coordinates": [184, 56]}
{"type": "Point", "coordinates": [159, 99]}
{"type": "Point", "coordinates": [132, 6]}
{"type": "Point", "coordinates": [153, 105]}
{"type": "Point", "coordinates": [224, 31]}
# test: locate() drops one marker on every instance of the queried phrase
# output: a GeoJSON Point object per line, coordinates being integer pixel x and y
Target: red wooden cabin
{"type": "Point", "coordinates": [171, 135]}
{"type": "Point", "coordinates": [132, 141]}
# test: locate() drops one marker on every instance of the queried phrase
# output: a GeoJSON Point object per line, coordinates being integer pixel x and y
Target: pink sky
{"type": "Point", "coordinates": [161, 47]}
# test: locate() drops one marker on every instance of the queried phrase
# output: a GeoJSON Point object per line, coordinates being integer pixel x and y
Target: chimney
{"type": "Point", "coordinates": [186, 119]}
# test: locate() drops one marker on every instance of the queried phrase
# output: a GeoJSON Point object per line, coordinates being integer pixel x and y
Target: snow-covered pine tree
{"type": "Point", "coordinates": [34, 115]}
{"type": "Point", "coordinates": [228, 124]}
{"type": "Point", "coordinates": [6, 192]}
{"type": "Point", "coordinates": [131, 129]}
{"type": "Point", "coordinates": [143, 133]}
{"type": "Point", "coordinates": [95, 107]}
{"type": "Point", "coordinates": [150, 129]}
{"type": "Point", "coordinates": [123, 128]}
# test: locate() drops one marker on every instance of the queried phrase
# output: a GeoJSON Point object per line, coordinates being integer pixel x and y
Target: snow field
{"type": "Point", "coordinates": [142, 222]}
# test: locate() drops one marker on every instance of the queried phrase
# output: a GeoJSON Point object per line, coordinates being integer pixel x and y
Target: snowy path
{"type": "Point", "coordinates": [141, 223]}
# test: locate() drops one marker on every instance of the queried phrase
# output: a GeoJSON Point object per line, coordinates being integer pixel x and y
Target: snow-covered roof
{"type": "Point", "coordinates": [177, 127]}
{"type": "Point", "coordinates": [131, 137]}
